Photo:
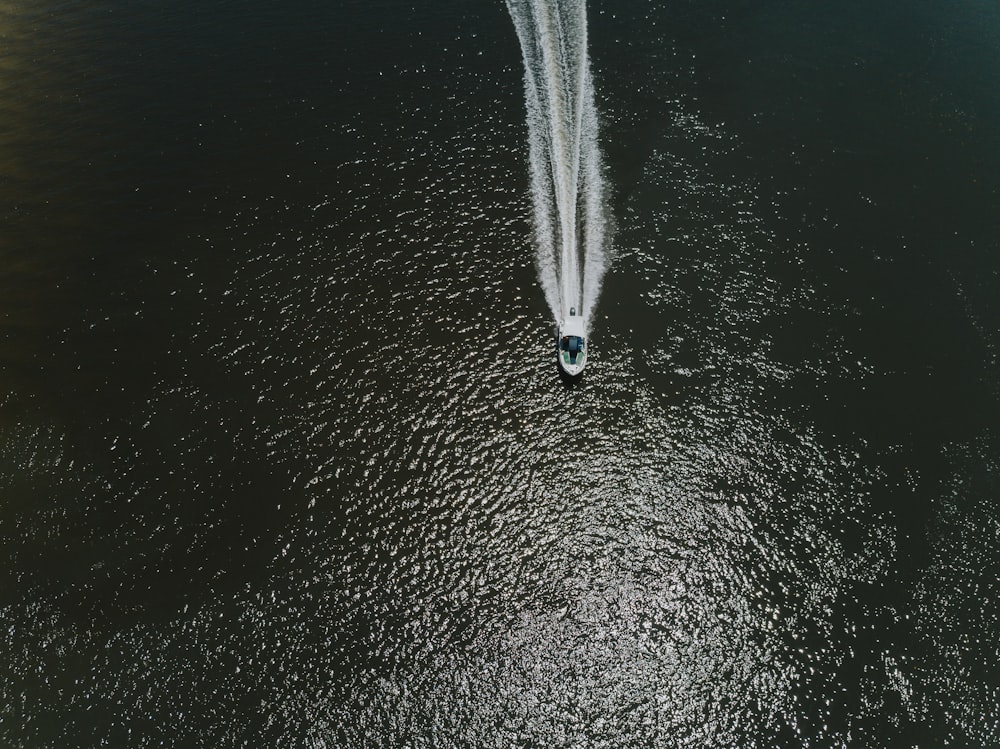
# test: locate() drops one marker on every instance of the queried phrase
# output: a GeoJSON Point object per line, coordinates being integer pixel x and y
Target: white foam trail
{"type": "Point", "coordinates": [567, 183]}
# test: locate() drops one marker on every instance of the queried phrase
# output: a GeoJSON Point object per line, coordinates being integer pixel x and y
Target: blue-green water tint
{"type": "Point", "coordinates": [284, 456]}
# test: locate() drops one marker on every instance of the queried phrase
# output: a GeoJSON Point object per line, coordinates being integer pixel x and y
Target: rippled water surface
{"type": "Point", "coordinates": [285, 459]}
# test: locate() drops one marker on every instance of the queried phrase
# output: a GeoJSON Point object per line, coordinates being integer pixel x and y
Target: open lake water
{"type": "Point", "coordinates": [285, 458]}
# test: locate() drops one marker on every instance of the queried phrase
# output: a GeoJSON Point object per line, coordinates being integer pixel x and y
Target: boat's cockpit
{"type": "Point", "coordinates": [573, 345]}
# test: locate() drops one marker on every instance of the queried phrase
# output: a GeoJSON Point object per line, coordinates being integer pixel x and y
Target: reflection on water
{"type": "Point", "coordinates": [295, 467]}
{"type": "Point", "coordinates": [460, 546]}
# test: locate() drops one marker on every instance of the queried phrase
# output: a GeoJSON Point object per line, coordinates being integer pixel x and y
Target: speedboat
{"type": "Point", "coordinates": [572, 344]}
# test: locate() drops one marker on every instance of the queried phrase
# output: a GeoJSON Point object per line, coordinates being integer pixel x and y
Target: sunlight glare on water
{"type": "Point", "coordinates": [285, 459]}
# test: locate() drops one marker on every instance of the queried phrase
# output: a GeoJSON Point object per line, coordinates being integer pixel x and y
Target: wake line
{"type": "Point", "coordinates": [567, 185]}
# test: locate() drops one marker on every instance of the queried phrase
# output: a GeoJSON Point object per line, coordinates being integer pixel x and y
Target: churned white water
{"type": "Point", "coordinates": [567, 183]}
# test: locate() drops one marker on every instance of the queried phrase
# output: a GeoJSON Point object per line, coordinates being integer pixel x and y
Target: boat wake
{"type": "Point", "coordinates": [567, 184]}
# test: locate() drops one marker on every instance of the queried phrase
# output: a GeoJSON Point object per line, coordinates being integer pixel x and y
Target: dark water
{"type": "Point", "coordinates": [285, 459]}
